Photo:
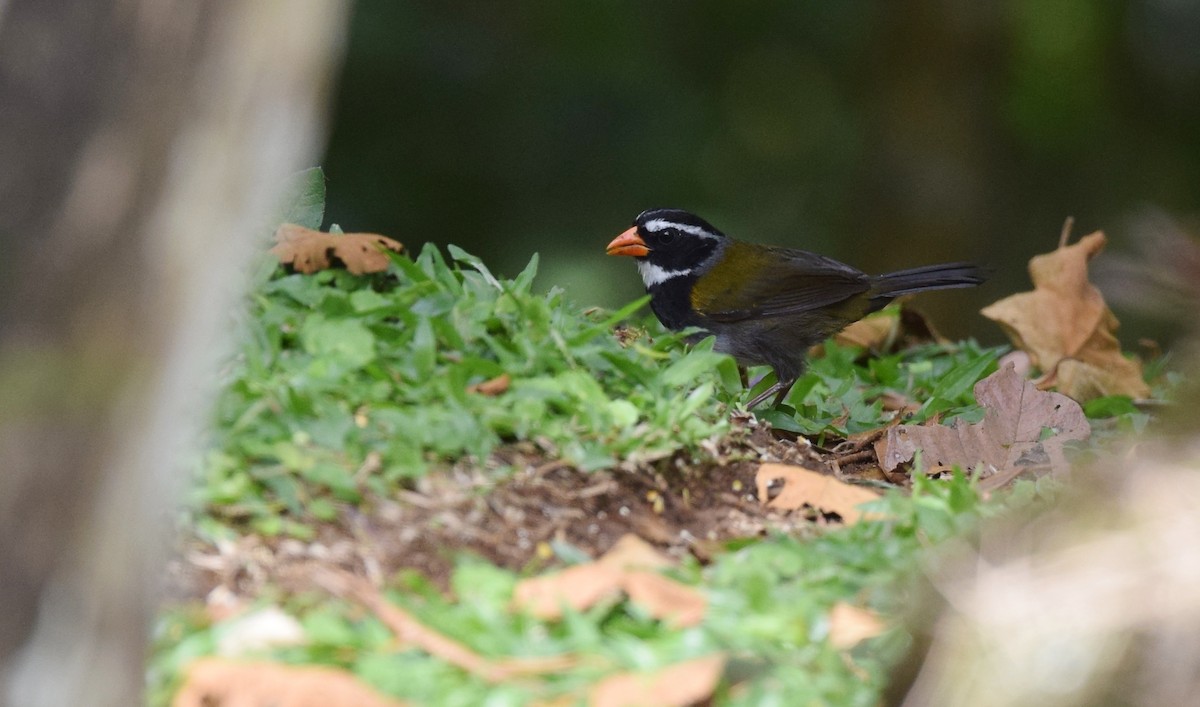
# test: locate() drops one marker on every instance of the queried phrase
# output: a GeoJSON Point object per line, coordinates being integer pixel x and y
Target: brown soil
{"type": "Point", "coordinates": [684, 506]}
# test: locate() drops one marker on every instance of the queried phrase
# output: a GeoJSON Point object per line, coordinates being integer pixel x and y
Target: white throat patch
{"type": "Point", "coordinates": [656, 275]}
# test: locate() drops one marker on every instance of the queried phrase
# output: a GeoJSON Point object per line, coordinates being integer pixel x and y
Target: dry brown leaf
{"type": "Point", "coordinates": [227, 683]}
{"type": "Point", "coordinates": [412, 632]}
{"type": "Point", "coordinates": [888, 330]}
{"type": "Point", "coordinates": [849, 625]}
{"type": "Point", "coordinates": [495, 386]}
{"type": "Point", "coordinates": [1084, 381]}
{"type": "Point", "coordinates": [877, 332]}
{"type": "Point", "coordinates": [802, 487]}
{"type": "Point", "coordinates": [681, 684]}
{"type": "Point", "coordinates": [679, 605]}
{"type": "Point", "coordinates": [632, 553]}
{"type": "Point", "coordinates": [1064, 321]}
{"type": "Point", "coordinates": [576, 588]}
{"type": "Point", "coordinates": [1007, 440]}
{"type": "Point", "coordinates": [308, 251]}
{"type": "Point", "coordinates": [631, 566]}
{"type": "Point", "coordinates": [893, 401]}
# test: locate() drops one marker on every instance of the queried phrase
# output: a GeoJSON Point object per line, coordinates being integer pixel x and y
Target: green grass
{"type": "Point", "coordinates": [769, 602]}
{"type": "Point", "coordinates": [336, 369]}
{"type": "Point", "coordinates": [840, 395]}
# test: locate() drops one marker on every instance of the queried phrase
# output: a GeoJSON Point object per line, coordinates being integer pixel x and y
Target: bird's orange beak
{"type": "Point", "coordinates": [628, 243]}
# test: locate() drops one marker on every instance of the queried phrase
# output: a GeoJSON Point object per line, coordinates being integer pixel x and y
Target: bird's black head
{"type": "Point", "coordinates": [669, 243]}
{"type": "Point", "coordinates": [670, 223]}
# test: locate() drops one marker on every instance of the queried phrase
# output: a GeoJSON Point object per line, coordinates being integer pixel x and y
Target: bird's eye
{"type": "Point", "coordinates": [666, 237]}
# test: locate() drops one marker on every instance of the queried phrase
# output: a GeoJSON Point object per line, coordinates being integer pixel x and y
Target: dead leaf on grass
{"type": "Point", "coordinates": [631, 566]}
{"type": "Point", "coordinates": [1066, 326]}
{"type": "Point", "coordinates": [217, 681]}
{"type": "Point", "coordinates": [412, 632]}
{"type": "Point", "coordinates": [632, 553]}
{"type": "Point", "coordinates": [888, 330]}
{"type": "Point", "coordinates": [1023, 429]}
{"type": "Point", "coordinates": [849, 625]}
{"type": "Point", "coordinates": [686, 683]}
{"type": "Point", "coordinates": [308, 251]}
{"type": "Point", "coordinates": [802, 487]}
{"type": "Point", "coordinates": [680, 605]}
{"type": "Point", "coordinates": [893, 401]}
{"type": "Point", "coordinates": [1084, 381]}
{"type": "Point", "coordinates": [877, 332]}
{"type": "Point", "coordinates": [576, 588]}
{"type": "Point", "coordinates": [494, 386]}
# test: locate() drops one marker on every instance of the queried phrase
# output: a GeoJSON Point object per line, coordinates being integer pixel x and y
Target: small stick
{"type": "Point", "coordinates": [1065, 236]}
{"type": "Point", "coordinates": [860, 455]}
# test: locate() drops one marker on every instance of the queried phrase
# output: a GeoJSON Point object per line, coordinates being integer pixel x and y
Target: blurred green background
{"type": "Point", "coordinates": [885, 134]}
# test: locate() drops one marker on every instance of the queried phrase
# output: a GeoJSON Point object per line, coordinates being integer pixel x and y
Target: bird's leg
{"type": "Point", "coordinates": [763, 396]}
{"type": "Point", "coordinates": [785, 387]}
{"type": "Point", "coordinates": [743, 376]}
{"type": "Point", "coordinates": [779, 390]}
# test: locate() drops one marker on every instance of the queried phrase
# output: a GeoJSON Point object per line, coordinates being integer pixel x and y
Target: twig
{"type": "Point", "coordinates": [860, 455]}
{"type": "Point", "coordinates": [1065, 236]}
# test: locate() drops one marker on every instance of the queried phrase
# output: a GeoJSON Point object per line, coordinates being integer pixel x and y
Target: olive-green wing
{"type": "Point", "coordinates": [760, 281]}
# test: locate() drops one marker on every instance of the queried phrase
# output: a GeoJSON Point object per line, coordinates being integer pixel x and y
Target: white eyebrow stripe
{"type": "Point", "coordinates": [656, 275]}
{"type": "Point", "coordinates": [660, 224]}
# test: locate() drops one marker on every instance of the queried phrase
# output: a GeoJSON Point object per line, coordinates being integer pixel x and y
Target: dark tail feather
{"type": "Point", "coordinates": [884, 288]}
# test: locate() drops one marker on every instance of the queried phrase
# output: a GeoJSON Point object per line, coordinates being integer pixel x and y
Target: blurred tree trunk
{"type": "Point", "coordinates": [142, 145]}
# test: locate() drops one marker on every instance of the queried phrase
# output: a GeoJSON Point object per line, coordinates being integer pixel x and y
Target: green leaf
{"type": "Point", "coordinates": [303, 200]}
{"type": "Point", "coordinates": [322, 509]}
{"type": "Point", "coordinates": [462, 256]}
{"type": "Point", "coordinates": [690, 367]}
{"type": "Point", "coordinates": [612, 320]}
{"type": "Point", "coordinates": [346, 342]}
{"type": "Point", "coordinates": [730, 378]}
{"type": "Point", "coordinates": [1109, 406]}
{"type": "Point", "coordinates": [523, 283]}
{"type": "Point", "coordinates": [369, 300]}
{"type": "Point", "coordinates": [335, 478]}
{"type": "Point", "coordinates": [623, 413]}
{"type": "Point", "coordinates": [327, 626]}
{"type": "Point", "coordinates": [951, 388]}
{"type": "Point", "coordinates": [424, 349]}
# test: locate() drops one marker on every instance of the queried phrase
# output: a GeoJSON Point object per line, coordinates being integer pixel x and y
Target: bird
{"type": "Point", "coordinates": [764, 304]}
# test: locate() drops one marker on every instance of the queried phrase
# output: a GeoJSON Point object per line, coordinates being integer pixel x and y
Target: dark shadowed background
{"type": "Point", "coordinates": [885, 134]}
